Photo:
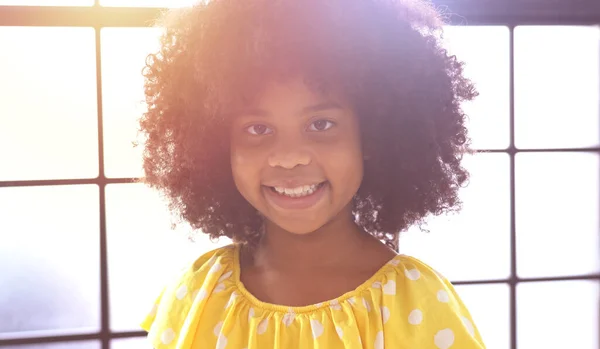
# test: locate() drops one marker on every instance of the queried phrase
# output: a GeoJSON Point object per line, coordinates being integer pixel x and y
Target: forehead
{"type": "Point", "coordinates": [294, 94]}
{"type": "Point", "coordinates": [288, 91]}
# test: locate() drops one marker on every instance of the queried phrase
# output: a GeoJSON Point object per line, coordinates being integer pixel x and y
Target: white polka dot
{"type": "Point", "coordinates": [181, 292]}
{"type": "Point", "coordinates": [318, 305]}
{"type": "Point", "coordinates": [212, 260]}
{"type": "Point", "coordinates": [415, 317]}
{"type": "Point", "coordinates": [366, 304]}
{"type": "Point", "coordinates": [377, 284]}
{"type": "Point", "coordinates": [202, 294]}
{"type": "Point", "coordinates": [250, 314]}
{"type": "Point", "coordinates": [469, 326]}
{"type": "Point", "coordinates": [352, 301]}
{"type": "Point", "coordinates": [232, 299]}
{"type": "Point", "coordinates": [289, 318]}
{"type": "Point", "coordinates": [444, 339]}
{"type": "Point", "coordinates": [339, 331]}
{"type": "Point", "coordinates": [199, 295]}
{"type": "Point", "coordinates": [317, 328]}
{"type": "Point", "coordinates": [221, 342]}
{"type": "Point", "coordinates": [220, 288]}
{"type": "Point", "coordinates": [153, 311]}
{"type": "Point", "coordinates": [218, 328]}
{"type": "Point", "coordinates": [379, 340]}
{"type": "Point", "coordinates": [167, 336]}
{"type": "Point", "coordinates": [443, 296]}
{"type": "Point", "coordinates": [395, 262]}
{"type": "Point", "coordinates": [335, 305]}
{"type": "Point", "coordinates": [215, 268]}
{"type": "Point", "coordinates": [412, 274]}
{"type": "Point", "coordinates": [385, 314]}
{"type": "Point", "coordinates": [262, 327]}
{"type": "Point", "coordinates": [390, 287]}
{"type": "Point", "coordinates": [225, 276]}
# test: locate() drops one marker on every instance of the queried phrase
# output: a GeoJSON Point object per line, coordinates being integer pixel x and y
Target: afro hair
{"type": "Point", "coordinates": [386, 56]}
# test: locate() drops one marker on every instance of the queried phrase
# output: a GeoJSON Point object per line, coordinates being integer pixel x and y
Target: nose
{"type": "Point", "coordinates": [289, 156]}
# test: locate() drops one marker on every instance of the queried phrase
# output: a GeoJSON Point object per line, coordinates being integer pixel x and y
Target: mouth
{"type": "Point", "coordinates": [301, 197]}
{"type": "Point", "coordinates": [297, 192]}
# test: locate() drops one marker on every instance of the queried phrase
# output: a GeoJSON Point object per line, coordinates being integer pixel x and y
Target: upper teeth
{"type": "Point", "coordinates": [298, 191]}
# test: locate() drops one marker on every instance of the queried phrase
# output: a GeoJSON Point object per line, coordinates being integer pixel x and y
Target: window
{"type": "Point", "coordinates": [32, 90]}
{"type": "Point", "coordinates": [528, 235]}
{"type": "Point", "coordinates": [147, 3]}
{"type": "Point", "coordinates": [525, 242]}
{"type": "Point", "coordinates": [48, 3]}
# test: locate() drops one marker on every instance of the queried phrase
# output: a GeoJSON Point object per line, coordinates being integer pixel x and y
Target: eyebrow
{"type": "Point", "coordinates": [306, 110]}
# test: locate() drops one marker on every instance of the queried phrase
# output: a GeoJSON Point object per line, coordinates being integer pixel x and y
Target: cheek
{"type": "Point", "coordinates": [245, 170]}
{"type": "Point", "coordinates": [344, 163]}
{"type": "Point", "coordinates": [349, 166]}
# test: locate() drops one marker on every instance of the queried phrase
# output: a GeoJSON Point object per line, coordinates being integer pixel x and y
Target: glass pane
{"type": "Point", "coordinates": [484, 222]}
{"type": "Point", "coordinates": [557, 86]}
{"type": "Point", "coordinates": [148, 3]}
{"type": "Point", "coordinates": [47, 3]}
{"type": "Point", "coordinates": [123, 96]}
{"type": "Point", "coordinates": [64, 345]}
{"type": "Point", "coordinates": [138, 223]}
{"type": "Point", "coordinates": [557, 209]}
{"type": "Point", "coordinates": [489, 306]}
{"type": "Point", "coordinates": [49, 258]}
{"type": "Point", "coordinates": [558, 315]}
{"type": "Point", "coordinates": [485, 52]}
{"type": "Point", "coordinates": [48, 103]}
{"type": "Point", "coordinates": [131, 343]}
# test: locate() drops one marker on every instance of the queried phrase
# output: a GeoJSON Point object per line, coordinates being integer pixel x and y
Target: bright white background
{"type": "Point", "coordinates": [49, 235]}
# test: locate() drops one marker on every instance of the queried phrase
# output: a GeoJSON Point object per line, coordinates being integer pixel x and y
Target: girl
{"type": "Point", "coordinates": [310, 133]}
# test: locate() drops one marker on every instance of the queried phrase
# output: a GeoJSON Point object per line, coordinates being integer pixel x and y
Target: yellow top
{"type": "Point", "coordinates": [405, 304]}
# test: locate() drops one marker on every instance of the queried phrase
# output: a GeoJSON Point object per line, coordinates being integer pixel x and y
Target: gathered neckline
{"type": "Point", "coordinates": [306, 308]}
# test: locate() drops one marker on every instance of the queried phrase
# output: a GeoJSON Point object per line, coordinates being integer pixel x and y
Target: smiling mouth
{"type": "Point", "coordinates": [298, 192]}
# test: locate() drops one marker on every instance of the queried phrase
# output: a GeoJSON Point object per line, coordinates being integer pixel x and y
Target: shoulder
{"type": "Point", "coordinates": [427, 306]}
{"type": "Point", "coordinates": [211, 264]}
{"type": "Point", "coordinates": [190, 288]}
{"type": "Point", "coordinates": [414, 269]}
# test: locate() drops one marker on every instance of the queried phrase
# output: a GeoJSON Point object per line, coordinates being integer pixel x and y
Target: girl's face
{"type": "Point", "coordinates": [296, 156]}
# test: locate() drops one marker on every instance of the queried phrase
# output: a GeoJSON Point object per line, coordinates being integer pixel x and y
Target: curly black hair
{"type": "Point", "coordinates": [385, 55]}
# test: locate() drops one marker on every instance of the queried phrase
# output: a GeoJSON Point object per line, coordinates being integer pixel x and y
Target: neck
{"type": "Point", "coordinates": [335, 242]}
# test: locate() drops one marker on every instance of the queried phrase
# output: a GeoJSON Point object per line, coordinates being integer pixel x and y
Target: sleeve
{"type": "Point", "coordinates": [171, 320]}
{"type": "Point", "coordinates": [439, 317]}
{"type": "Point", "coordinates": [148, 320]}
{"type": "Point", "coordinates": [165, 323]}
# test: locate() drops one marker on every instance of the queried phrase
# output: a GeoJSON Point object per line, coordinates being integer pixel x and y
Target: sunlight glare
{"type": "Point", "coordinates": [47, 2]}
{"type": "Point", "coordinates": [148, 3]}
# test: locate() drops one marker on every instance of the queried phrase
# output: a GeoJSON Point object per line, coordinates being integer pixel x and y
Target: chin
{"type": "Point", "coordinates": [298, 227]}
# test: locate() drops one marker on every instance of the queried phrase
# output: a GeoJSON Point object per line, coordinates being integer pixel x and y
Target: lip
{"type": "Point", "coordinates": [298, 203]}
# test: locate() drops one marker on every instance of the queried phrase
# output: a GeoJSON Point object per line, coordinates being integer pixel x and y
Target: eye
{"type": "Point", "coordinates": [258, 130]}
{"type": "Point", "coordinates": [320, 125]}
